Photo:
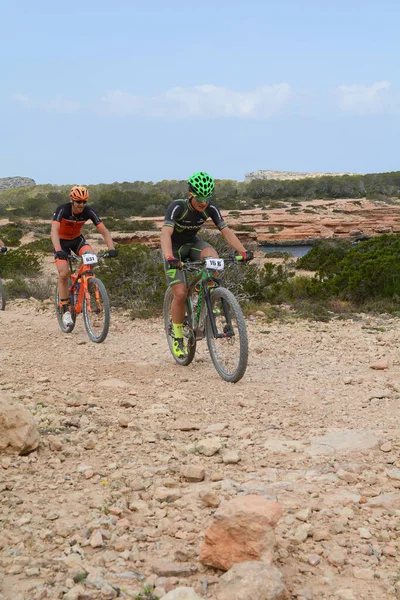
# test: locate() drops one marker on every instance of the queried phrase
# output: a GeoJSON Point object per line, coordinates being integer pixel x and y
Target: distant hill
{"type": "Point", "coordinates": [289, 175]}
{"type": "Point", "coordinates": [7, 183]}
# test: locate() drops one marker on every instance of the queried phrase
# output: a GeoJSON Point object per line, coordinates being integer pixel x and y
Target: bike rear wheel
{"type": "Point", "coordinates": [60, 312]}
{"type": "Point", "coordinates": [229, 352]}
{"type": "Point", "coordinates": [2, 296]}
{"type": "Point", "coordinates": [189, 338]}
{"type": "Point", "coordinates": [96, 310]}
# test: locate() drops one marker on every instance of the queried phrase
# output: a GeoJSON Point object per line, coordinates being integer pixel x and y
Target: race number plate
{"type": "Point", "coordinates": [216, 264]}
{"type": "Point", "coordinates": [89, 259]}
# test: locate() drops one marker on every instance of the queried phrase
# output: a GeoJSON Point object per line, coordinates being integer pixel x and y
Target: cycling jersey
{"type": "Point", "coordinates": [70, 224]}
{"type": "Point", "coordinates": [187, 221]}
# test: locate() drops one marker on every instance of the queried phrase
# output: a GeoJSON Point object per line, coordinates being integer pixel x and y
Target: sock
{"type": "Point", "coordinates": [64, 303]}
{"type": "Point", "coordinates": [178, 330]}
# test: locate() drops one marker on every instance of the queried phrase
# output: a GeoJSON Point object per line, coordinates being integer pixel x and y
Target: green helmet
{"type": "Point", "coordinates": [201, 184]}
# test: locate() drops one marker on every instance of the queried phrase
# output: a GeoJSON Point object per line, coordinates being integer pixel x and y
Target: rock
{"type": "Point", "coordinates": [18, 431]}
{"type": "Point", "coordinates": [182, 593]}
{"type": "Point", "coordinates": [96, 539]}
{"type": "Point", "coordinates": [209, 499]}
{"type": "Point", "coordinates": [343, 442]}
{"type": "Point", "coordinates": [172, 569]}
{"type": "Point", "coordinates": [242, 531]}
{"type": "Point", "coordinates": [345, 594]}
{"type": "Point", "coordinates": [230, 457]}
{"type": "Point", "coordinates": [386, 447]}
{"type": "Point", "coordinates": [251, 581]}
{"type": "Point", "coordinates": [380, 365]}
{"type": "Point", "coordinates": [16, 182]}
{"type": "Point", "coordinates": [209, 446]}
{"type": "Point", "coordinates": [193, 473]}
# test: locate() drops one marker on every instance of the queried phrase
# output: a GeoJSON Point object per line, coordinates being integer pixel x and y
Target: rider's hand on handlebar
{"type": "Point", "coordinates": [112, 253]}
{"type": "Point", "coordinates": [246, 255]}
{"type": "Point", "coordinates": [61, 255]}
{"type": "Point", "coordinates": [3, 249]}
{"type": "Point", "coordinates": [173, 263]}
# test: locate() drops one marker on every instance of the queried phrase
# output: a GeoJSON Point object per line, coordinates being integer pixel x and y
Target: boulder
{"type": "Point", "coordinates": [18, 431]}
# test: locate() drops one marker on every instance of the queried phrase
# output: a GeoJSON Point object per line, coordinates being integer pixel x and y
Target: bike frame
{"type": "Point", "coordinates": [84, 273]}
{"type": "Point", "coordinates": [204, 276]}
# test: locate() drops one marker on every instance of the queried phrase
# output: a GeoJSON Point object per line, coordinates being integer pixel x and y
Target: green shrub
{"type": "Point", "coordinates": [19, 262]}
{"type": "Point", "coordinates": [324, 256]}
{"type": "Point", "coordinates": [135, 279]}
{"type": "Point", "coordinates": [43, 245]}
{"type": "Point", "coordinates": [124, 226]}
{"type": "Point", "coordinates": [242, 227]}
{"type": "Point", "coordinates": [11, 234]}
{"type": "Point", "coordinates": [29, 287]}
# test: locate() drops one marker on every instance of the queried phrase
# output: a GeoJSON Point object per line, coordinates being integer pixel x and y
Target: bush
{"type": "Point", "coordinates": [135, 279]}
{"type": "Point", "coordinates": [324, 256]}
{"type": "Point", "coordinates": [29, 288]}
{"type": "Point", "coordinates": [43, 245]}
{"type": "Point", "coordinates": [11, 234]}
{"type": "Point", "coordinates": [242, 227]}
{"type": "Point", "coordinates": [124, 226]}
{"type": "Point", "coordinates": [15, 263]}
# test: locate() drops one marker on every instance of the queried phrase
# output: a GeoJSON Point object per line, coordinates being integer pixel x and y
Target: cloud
{"type": "Point", "coordinates": [203, 101]}
{"type": "Point", "coordinates": [22, 99]}
{"type": "Point", "coordinates": [364, 100]}
{"type": "Point", "coordinates": [62, 105]}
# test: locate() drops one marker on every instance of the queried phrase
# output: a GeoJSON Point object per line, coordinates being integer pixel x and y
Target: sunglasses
{"type": "Point", "coordinates": [200, 199]}
{"type": "Point", "coordinates": [80, 202]}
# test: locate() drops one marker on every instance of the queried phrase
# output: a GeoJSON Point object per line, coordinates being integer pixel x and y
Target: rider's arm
{"type": "Point", "coordinates": [106, 236]}
{"type": "Point", "coordinates": [166, 242]}
{"type": "Point", "coordinates": [232, 239]}
{"type": "Point", "coordinates": [55, 235]}
{"type": "Point", "coordinates": [1, 243]}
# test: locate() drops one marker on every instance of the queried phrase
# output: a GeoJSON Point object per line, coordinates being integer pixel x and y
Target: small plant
{"type": "Point", "coordinates": [146, 594]}
{"type": "Point", "coordinates": [80, 577]}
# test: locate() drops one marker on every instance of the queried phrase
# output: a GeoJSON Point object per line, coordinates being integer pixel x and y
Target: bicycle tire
{"type": "Point", "coordinates": [188, 333]}
{"type": "Point", "coordinates": [2, 296]}
{"type": "Point", "coordinates": [97, 332]}
{"type": "Point", "coordinates": [217, 346]}
{"type": "Point", "coordinates": [59, 313]}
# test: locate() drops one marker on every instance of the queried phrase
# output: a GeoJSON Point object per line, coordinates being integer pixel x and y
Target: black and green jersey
{"type": "Point", "coordinates": [187, 221]}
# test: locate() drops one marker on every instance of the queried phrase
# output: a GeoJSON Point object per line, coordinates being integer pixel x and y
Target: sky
{"type": "Point", "coordinates": [123, 90]}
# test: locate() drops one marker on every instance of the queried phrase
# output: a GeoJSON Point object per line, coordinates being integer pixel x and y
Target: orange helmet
{"type": "Point", "coordinates": [79, 192]}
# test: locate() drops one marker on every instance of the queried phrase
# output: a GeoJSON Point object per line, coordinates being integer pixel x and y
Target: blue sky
{"type": "Point", "coordinates": [103, 91]}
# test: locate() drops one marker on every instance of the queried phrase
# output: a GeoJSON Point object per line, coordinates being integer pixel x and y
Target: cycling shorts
{"type": "Point", "coordinates": [191, 250]}
{"type": "Point", "coordinates": [78, 245]}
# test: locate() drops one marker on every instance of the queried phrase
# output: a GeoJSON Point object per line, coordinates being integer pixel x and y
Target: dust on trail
{"type": "Point", "coordinates": [315, 421]}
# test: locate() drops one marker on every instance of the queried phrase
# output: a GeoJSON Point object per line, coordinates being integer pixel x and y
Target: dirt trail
{"type": "Point", "coordinates": [315, 421]}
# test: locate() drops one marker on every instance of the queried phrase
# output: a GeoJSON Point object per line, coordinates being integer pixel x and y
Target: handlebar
{"type": "Point", "coordinates": [195, 265]}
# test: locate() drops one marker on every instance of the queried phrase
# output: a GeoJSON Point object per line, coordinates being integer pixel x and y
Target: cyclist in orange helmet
{"type": "Point", "coordinates": [66, 236]}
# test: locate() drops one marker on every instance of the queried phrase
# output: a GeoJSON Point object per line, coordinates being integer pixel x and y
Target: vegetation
{"type": "Point", "coordinates": [19, 262]}
{"type": "Point", "coordinates": [139, 198]}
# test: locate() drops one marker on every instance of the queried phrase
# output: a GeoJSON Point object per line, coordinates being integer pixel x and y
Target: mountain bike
{"type": "Point", "coordinates": [87, 294]}
{"type": "Point", "coordinates": [2, 296]}
{"type": "Point", "coordinates": [215, 314]}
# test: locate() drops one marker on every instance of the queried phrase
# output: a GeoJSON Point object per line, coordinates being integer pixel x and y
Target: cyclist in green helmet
{"type": "Point", "coordinates": [179, 240]}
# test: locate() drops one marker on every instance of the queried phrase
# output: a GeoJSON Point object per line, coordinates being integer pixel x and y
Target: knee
{"type": "Point", "coordinates": [180, 294]}
{"type": "Point", "coordinates": [209, 253]}
{"type": "Point", "coordinates": [63, 275]}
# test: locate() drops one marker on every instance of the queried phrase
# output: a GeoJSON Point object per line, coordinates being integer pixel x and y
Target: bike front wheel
{"type": "Point", "coordinates": [2, 296]}
{"type": "Point", "coordinates": [96, 310]}
{"type": "Point", "coordinates": [229, 348]}
{"type": "Point", "coordinates": [189, 338]}
{"type": "Point", "coordinates": [60, 313]}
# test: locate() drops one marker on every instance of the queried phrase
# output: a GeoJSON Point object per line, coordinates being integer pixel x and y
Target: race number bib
{"type": "Point", "coordinates": [89, 259]}
{"type": "Point", "coordinates": [216, 264]}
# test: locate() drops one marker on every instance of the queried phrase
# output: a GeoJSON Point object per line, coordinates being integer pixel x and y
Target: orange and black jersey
{"type": "Point", "coordinates": [70, 224]}
{"type": "Point", "coordinates": [186, 221]}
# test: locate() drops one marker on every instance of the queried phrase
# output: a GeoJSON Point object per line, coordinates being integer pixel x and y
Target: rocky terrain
{"type": "Point", "coordinates": [15, 182]}
{"type": "Point", "coordinates": [288, 175]}
{"type": "Point", "coordinates": [310, 221]}
{"type": "Point", "coordinates": [139, 461]}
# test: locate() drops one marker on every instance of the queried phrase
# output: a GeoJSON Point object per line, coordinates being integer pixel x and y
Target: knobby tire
{"type": "Point", "coordinates": [238, 344]}
{"type": "Point", "coordinates": [88, 315]}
